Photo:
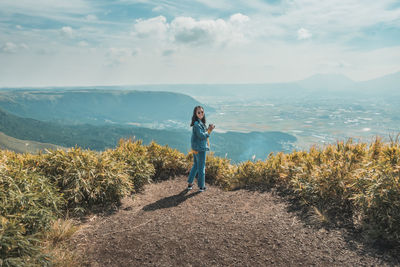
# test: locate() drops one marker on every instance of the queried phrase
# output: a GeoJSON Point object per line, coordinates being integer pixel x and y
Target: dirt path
{"type": "Point", "coordinates": [165, 226]}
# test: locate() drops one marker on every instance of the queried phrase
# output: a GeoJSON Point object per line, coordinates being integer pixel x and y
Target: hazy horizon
{"type": "Point", "coordinates": [136, 42]}
{"type": "Point", "coordinates": [330, 76]}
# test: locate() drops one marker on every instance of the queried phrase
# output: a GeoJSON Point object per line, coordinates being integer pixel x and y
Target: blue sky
{"type": "Point", "coordinates": [79, 42]}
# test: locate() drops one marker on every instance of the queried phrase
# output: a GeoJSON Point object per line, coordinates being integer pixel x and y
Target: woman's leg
{"type": "Point", "coordinates": [201, 167]}
{"type": "Point", "coordinates": [193, 171]}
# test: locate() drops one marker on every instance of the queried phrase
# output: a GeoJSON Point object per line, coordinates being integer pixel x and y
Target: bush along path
{"type": "Point", "coordinates": [349, 185]}
{"type": "Point", "coordinates": [167, 226]}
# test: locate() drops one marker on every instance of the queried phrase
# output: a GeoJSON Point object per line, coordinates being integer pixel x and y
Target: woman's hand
{"type": "Point", "coordinates": [210, 128]}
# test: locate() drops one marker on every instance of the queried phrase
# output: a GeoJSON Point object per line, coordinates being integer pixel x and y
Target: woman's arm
{"type": "Point", "coordinates": [200, 132]}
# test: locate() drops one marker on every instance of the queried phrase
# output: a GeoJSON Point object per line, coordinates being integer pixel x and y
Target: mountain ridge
{"type": "Point", "coordinates": [99, 106]}
{"type": "Point", "coordinates": [239, 146]}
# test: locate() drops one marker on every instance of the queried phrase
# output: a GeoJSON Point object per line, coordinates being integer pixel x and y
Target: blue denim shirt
{"type": "Point", "coordinates": [199, 137]}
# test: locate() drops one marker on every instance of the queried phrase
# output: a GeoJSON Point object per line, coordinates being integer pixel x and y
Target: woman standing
{"type": "Point", "coordinates": [200, 146]}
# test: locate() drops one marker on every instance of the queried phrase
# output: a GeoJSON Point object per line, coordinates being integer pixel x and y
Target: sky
{"type": "Point", "coordinates": [131, 42]}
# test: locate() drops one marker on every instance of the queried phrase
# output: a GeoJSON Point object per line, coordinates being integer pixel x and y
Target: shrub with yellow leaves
{"type": "Point", "coordinates": [86, 178]}
{"type": "Point", "coordinates": [167, 162]}
{"type": "Point", "coordinates": [133, 154]}
{"type": "Point", "coordinates": [28, 205]}
{"type": "Point", "coordinates": [220, 171]}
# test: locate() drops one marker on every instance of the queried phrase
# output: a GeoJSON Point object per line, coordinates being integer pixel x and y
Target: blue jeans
{"type": "Point", "coordinates": [199, 168]}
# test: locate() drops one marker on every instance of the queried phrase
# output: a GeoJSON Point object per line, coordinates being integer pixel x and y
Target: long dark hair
{"type": "Point", "coordinates": [194, 117]}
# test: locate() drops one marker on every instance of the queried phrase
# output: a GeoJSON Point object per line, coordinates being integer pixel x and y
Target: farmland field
{"type": "Point", "coordinates": [318, 120]}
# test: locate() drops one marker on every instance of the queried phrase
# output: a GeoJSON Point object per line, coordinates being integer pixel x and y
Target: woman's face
{"type": "Point", "coordinates": [200, 113]}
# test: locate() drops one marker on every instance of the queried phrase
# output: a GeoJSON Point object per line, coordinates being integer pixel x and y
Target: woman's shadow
{"type": "Point", "coordinates": [171, 201]}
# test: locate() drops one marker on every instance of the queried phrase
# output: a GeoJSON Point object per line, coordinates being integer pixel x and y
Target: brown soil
{"type": "Point", "coordinates": [167, 226]}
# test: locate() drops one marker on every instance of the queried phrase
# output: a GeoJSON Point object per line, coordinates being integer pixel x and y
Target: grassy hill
{"type": "Point", "coordinates": [23, 146]}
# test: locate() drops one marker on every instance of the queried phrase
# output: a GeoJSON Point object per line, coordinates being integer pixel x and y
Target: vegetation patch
{"type": "Point", "coordinates": [28, 204]}
{"type": "Point", "coordinates": [133, 155]}
{"type": "Point", "coordinates": [352, 181]}
{"type": "Point", "coordinates": [85, 178]}
{"type": "Point", "coordinates": [168, 162]}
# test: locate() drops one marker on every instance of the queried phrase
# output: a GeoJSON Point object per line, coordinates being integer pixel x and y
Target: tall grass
{"type": "Point", "coordinates": [341, 181]}
{"type": "Point", "coordinates": [85, 178]}
{"type": "Point", "coordinates": [37, 190]}
{"type": "Point", "coordinates": [28, 205]}
{"type": "Point", "coordinates": [133, 155]}
{"type": "Point", "coordinates": [344, 181]}
{"type": "Point", "coordinates": [168, 162]}
{"type": "Point", "coordinates": [219, 171]}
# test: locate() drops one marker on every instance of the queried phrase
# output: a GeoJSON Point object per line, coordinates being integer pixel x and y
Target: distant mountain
{"type": "Point", "coordinates": [100, 106]}
{"type": "Point", "coordinates": [325, 82]}
{"type": "Point", "coordinates": [23, 146]}
{"type": "Point", "coordinates": [237, 146]}
{"type": "Point", "coordinates": [322, 83]}
{"type": "Point", "coordinates": [388, 83]}
{"type": "Point", "coordinates": [317, 84]}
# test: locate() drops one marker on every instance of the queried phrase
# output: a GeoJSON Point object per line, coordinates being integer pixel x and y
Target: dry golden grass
{"type": "Point", "coordinates": [345, 180]}
{"type": "Point", "coordinates": [60, 231]}
{"type": "Point", "coordinates": [56, 244]}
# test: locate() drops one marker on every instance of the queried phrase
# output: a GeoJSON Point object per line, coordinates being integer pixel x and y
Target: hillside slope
{"type": "Point", "coordinates": [85, 136]}
{"type": "Point", "coordinates": [99, 106]}
{"type": "Point", "coordinates": [23, 146]}
{"type": "Point", "coordinates": [166, 226]}
{"type": "Point", "coordinates": [237, 146]}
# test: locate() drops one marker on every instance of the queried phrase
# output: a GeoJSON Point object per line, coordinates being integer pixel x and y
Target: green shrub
{"type": "Point", "coordinates": [167, 162]}
{"type": "Point", "coordinates": [219, 171]}
{"type": "Point", "coordinates": [343, 179]}
{"type": "Point", "coordinates": [278, 169]}
{"type": "Point", "coordinates": [86, 178]}
{"type": "Point", "coordinates": [28, 205]}
{"type": "Point", "coordinates": [325, 178]}
{"type": "Point", "coordinates": [253, 174]}
{"type": "Point", "coordinates": [134, 155]}
{"type": "Point", "coordinates": [378, 193]}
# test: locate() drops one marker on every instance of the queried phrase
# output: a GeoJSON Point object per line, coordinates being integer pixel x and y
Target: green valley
{"type": "Point", "coordinates": [233, 145]}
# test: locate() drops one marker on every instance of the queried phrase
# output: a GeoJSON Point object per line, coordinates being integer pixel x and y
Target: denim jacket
{"type": "Point", "coordinates": [199, 137]}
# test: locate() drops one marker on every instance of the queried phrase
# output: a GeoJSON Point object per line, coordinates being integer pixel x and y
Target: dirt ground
{"type": "Point", "coordinates": [168, 226]}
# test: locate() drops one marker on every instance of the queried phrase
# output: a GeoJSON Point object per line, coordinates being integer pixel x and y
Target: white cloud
{"type": "Point", "coordinates": [91, 17]}
{"type": "Point", "coordinates": [190, 31]}
{"type": "Point", "coordinates": [179, 46]}
{"type": "Point", "coordinates": [303, 34]}
{"type": "Point", "coordinates": [67, 31]}
{"type": "Point", "coordinates": [154, 27]}
{"type": "Point", "coordinates": [118, 56]}
{"type": "Point", "coordinates": [157, 9]}
{"type": "Point", "coordinates": [45, 7]}
{"type": "Point", "coordinates": [24, 46]}
{"type": "Point", "coordinates": [58, 10]}
{"type": "Point", "coordinates": [9, 47]}
{"type": "Point", "coordinates": [83, 44]}
{"type": "Point", "coordinates": [340, 17]}
{"type": "Point", "coordinates": [239, 18]}
{"type": "Point", "coordinates": [187, 30]}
